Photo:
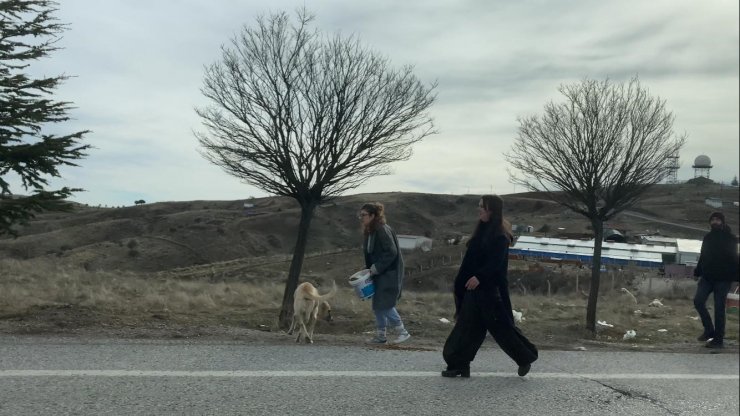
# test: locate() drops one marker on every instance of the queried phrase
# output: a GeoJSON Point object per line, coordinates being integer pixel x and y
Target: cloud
{"type": "Point", "coordinates": [138, 68]}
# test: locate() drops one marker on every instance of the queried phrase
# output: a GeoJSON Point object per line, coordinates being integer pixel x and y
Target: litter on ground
{"type": "Point", "coordinates": [517, 316]}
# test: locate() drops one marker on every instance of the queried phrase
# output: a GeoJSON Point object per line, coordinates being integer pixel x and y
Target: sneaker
{"type": "Point", "coordinates": [714, 344]}
{"type": "Point", "coordinates": [402, 337]}
{"type": "Point", "coordinates": [403, 334]}
{"type": "Point", "coordinates": [463, 372]}
{"type": "Point", "coordinates": [377, 340]}
{"type": "Point", "coordinates": [704, 337]}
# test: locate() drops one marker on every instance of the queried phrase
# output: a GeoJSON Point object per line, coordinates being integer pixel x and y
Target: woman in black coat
{"type": "Point", "coordinates": [384, 261]}
{"type": "Point", "coordinates": [482, 300]}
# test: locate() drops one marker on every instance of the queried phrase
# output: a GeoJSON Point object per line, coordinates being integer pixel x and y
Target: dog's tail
{"type": "Point", "coordinates": [327, 295]}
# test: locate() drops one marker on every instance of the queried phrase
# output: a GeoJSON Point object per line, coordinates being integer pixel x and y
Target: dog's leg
{"type": "Point", "coordinates": [300, 334]}
{"type": "Point", "coordinates": [311, 306]}
{"type": "Point", "coordinates": [292, 326]}
{"type": "Point", "coordinates": [299, 325]}
{"type": "Point", "coordinates": [312, 317]}
{"type": "Point", "coordinates": [304, 333]}
{"type": "Point", "coordinates": [312, 325]}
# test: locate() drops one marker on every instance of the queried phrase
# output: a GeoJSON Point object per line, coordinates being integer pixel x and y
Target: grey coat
{"type": "Point", "coordinates": [384, 259]}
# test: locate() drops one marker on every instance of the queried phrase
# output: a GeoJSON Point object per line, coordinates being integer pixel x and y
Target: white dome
{"type": "Point", "coordinates": [702, 161]}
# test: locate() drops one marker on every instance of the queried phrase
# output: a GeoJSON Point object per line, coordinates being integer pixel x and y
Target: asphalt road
{"type": "Point", "coordinates": [59, 376]}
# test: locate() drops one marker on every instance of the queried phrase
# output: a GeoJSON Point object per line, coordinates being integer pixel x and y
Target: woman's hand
{"type": "Point", "coordinates": [472, 283]}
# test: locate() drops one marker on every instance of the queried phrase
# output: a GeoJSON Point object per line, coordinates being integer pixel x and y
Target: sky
{"type": "Point", "coordinates": [137, 67]}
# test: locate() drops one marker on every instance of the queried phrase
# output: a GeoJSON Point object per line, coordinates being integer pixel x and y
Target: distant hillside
{"type": "Point", "coordinates": [166, 235]}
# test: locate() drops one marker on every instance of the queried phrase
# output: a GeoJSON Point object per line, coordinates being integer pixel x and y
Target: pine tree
{"type": "Point", "coordinates": [28, 153]}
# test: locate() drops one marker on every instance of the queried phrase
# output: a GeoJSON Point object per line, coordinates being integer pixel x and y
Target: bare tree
{"type": "Point", "coordinates": [302, 115]}
{"type": "Point", "coordinates": [596, 154]}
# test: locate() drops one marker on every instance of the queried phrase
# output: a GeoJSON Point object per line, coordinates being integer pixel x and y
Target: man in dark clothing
{"type": "Point", "coordinates": [717, 269]}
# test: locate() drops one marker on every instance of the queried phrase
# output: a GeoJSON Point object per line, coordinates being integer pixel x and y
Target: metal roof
{"type": "Point", "coordinates": [617, 253]}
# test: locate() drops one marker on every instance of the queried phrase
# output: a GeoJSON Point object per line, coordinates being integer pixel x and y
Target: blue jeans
{"type": "Point", "coordinates": [387, 316]}
{"type": "Point", "coordinates": [720, 290]}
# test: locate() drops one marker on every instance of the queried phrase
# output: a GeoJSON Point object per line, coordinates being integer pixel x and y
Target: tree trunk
{"type": "Point", "coordinates": [299, 252]}
{"type": "Point", "coordinates": [593, 294]}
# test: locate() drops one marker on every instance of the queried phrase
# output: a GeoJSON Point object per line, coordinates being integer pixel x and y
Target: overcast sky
{"type": "Point", "coordinates": [138, 69]}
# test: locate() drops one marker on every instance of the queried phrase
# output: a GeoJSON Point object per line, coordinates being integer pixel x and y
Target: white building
{"type": "Point", "coordinates": [644, 255]}
{"type": "Point", "coordinates": [413, 242]}
{"type": "Point", "coordinates": [713, 202]}
{"type": "Point", "coordinates": [688, 251]}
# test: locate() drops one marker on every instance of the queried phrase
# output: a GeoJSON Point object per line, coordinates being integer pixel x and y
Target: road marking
{"type": "Point", "coordinates": [361, 374]}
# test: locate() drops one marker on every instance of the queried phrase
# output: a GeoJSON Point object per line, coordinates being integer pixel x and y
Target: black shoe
{"type": "Point", "coordinates": [523, 370]}
{"type": "Point", "coordinates": [454, 372]}
{"type": "Point", "coordinates": [714, 344]}
{"type": "Point", "coordinates": [704, 337]}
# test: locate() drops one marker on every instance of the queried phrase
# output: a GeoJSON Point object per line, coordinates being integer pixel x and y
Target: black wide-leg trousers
{"type": "Point", "coordinates": [482, 312]}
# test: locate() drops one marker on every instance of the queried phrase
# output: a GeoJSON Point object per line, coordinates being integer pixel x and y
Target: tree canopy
{"type": "Point", "coordinates": [28, 151]}
{"type": "Point", "coordinates": [308, 116]}
{"type": "Point", "coordinates": [596, 153]}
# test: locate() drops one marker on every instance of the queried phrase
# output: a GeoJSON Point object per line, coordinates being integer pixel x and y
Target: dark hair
{"type": "Point", "coordinates": [376, 209]}
{"type": "Point", "coordinates": [496, 224]}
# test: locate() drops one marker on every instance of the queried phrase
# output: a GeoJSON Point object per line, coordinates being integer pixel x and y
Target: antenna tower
{"type": "Point", "coordinates": [672, 167]}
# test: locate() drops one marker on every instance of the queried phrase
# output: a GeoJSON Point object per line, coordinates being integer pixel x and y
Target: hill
{"type": "Point", "coordinates": [170, 235]}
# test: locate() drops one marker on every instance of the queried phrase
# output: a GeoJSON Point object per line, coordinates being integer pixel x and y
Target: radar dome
{"type": "Point", "coordinates": [702, 161]}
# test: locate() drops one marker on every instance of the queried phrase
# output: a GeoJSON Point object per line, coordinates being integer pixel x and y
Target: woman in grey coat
{"type": "Point", "coordinates": [384, 261]}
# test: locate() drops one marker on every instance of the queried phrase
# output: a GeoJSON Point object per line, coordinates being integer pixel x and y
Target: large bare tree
{"type": "Point", "coordinates": [596, 154]}
{"type": "Point", "coordinates": [308, 116]}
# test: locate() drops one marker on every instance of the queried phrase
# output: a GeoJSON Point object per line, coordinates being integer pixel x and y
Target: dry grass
{"type": "Point", "coordinates": [34, 291]}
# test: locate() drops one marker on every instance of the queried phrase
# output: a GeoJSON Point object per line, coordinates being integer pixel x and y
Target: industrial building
{"type": "Point", "coordinates": [612, 253]}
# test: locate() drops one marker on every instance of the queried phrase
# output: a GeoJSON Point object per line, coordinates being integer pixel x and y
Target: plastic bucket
{"type": "Point", "coordinates": [363, 284]}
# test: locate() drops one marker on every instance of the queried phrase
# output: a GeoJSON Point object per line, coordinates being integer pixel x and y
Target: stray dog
{"type": "Point", "coordinates": [307, 305]}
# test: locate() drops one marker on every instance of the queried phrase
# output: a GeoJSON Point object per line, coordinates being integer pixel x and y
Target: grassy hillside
{"type": "Point", "coordinates": [201, 268]}
{"type": "Point", "coordinates": [168, 235]}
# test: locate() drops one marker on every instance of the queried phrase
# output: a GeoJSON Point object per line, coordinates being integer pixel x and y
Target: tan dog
{"type": "Point", "coordinates": [307, 305]}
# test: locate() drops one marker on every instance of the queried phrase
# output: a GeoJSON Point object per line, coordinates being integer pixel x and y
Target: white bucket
{"type": "Point", "coordinates": [363, 284]}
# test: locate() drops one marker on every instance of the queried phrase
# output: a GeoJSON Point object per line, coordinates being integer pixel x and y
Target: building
{"type": "Point", "coordinates": [688, 251]}
{"type": "Point", "coordinates": [702, 166]}
{"type": "Point", "coordinates": [713, 202]}
{"type": "Point", "coordinates": [413, 242]}
{"type": "Point", "coordinates": [658, 239]}
{"type": "Point", "coordinates": [612, 253]}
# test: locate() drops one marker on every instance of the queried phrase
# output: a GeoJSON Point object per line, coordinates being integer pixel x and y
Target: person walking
{"type": "Point", "coordinates": [716, 269]}
{"type": "Point", "coordinates": [482, 301]}
{"type": "Point", "coordinates": [384, 261]}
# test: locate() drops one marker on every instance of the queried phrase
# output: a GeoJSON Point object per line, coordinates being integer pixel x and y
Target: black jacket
{"type": "Point", "coordinates": [486, 258]}
{"type": "Point", "coordinates": [718, 260]}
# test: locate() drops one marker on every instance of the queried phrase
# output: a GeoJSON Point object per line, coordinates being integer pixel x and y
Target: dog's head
{"type": "Point", "coordinates": [325, 311]}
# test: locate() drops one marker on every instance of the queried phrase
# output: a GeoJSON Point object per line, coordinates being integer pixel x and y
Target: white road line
{"type": "Point", "coordinates": [308, 374]}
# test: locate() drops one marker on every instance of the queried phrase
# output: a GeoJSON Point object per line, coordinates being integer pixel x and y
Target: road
{"type": "Point", "coordinates": [60, 376]}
